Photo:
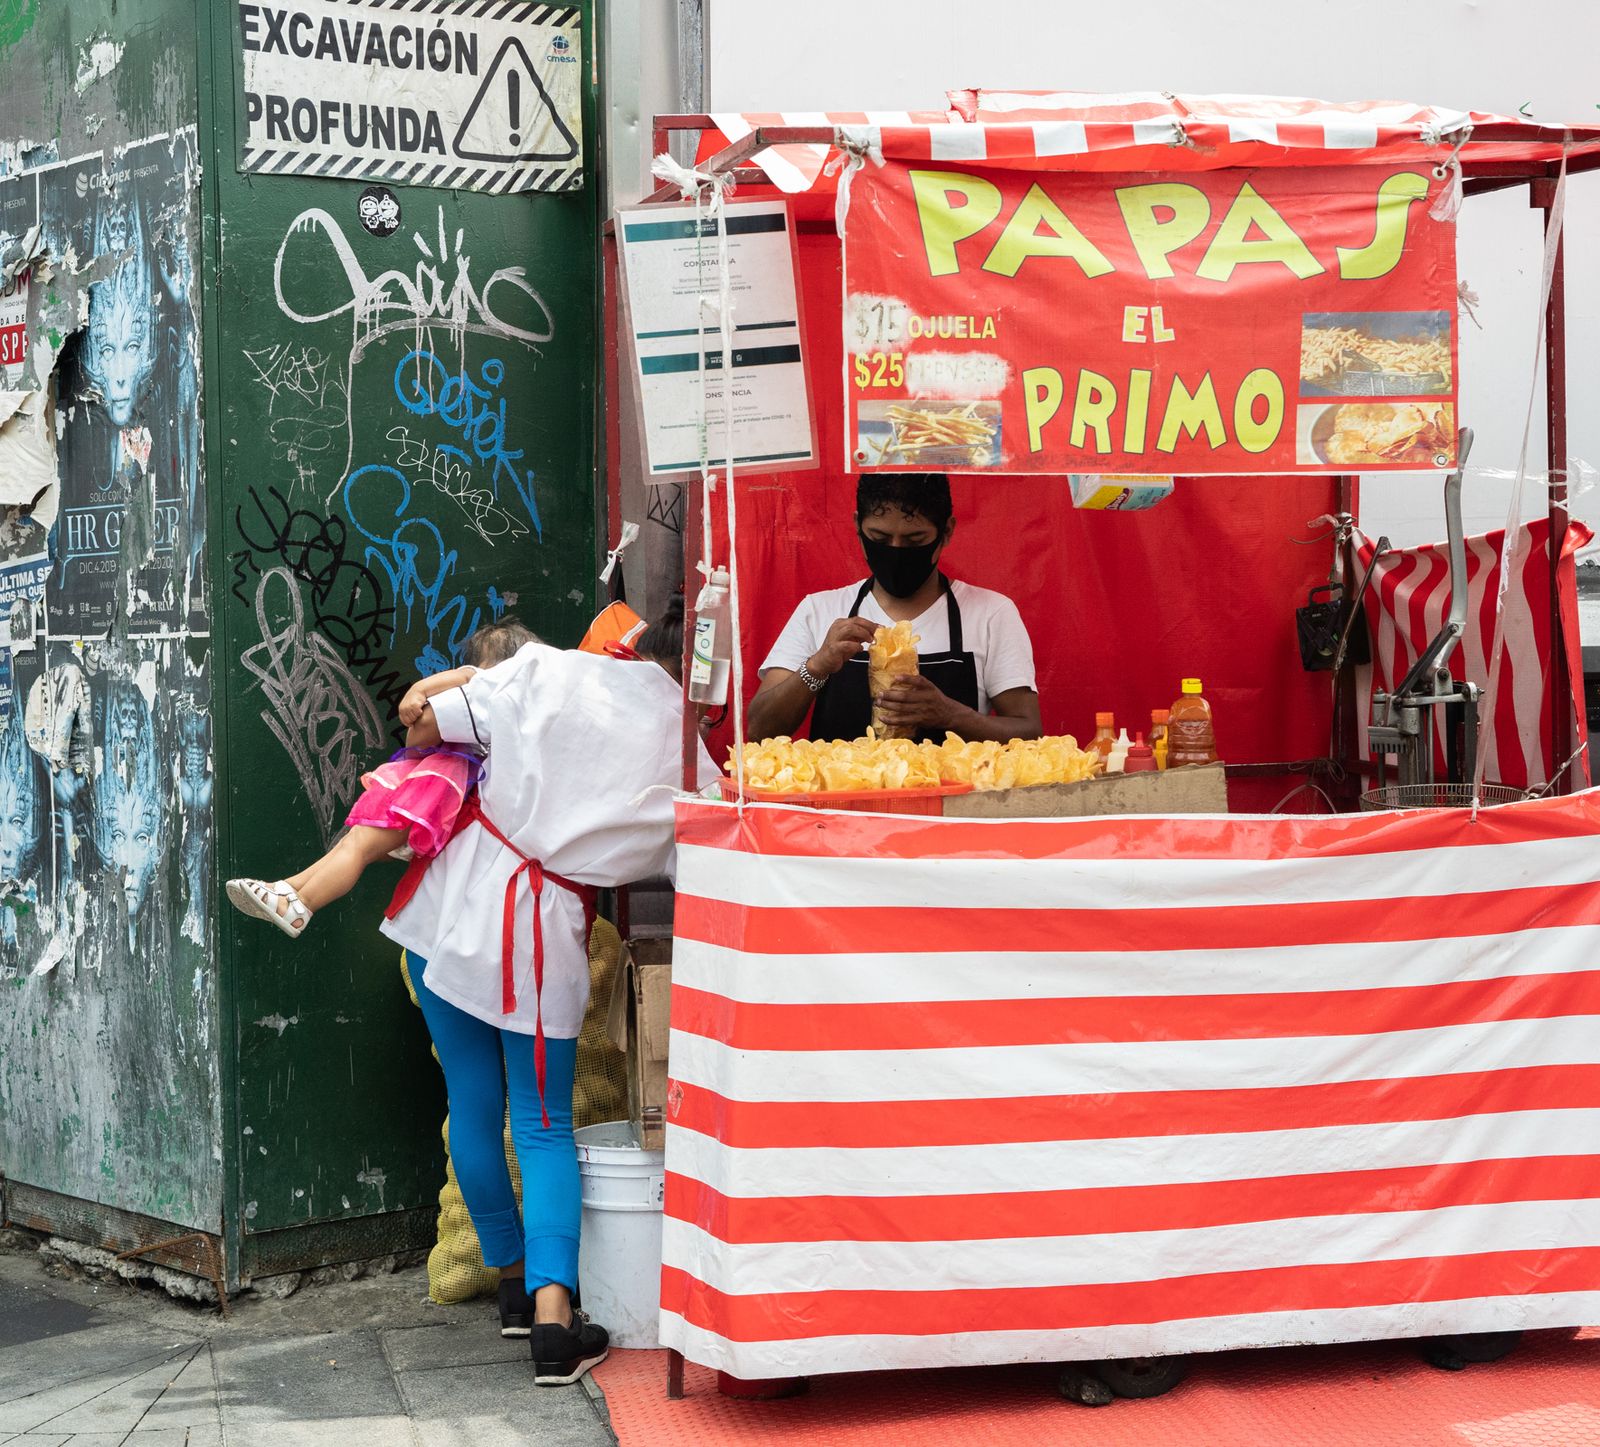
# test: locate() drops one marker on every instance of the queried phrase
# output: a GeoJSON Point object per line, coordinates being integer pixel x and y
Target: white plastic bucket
{"type": "Point", "coordinates": [619, 1259]}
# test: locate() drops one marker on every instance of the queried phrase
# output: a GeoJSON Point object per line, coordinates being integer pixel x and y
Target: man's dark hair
{"type": "Point", "coordinates": [495, 642]}
{"type": "Point", "coordinates": [662, 641]}
{"type": "Point", "coordinates": [916, 494]}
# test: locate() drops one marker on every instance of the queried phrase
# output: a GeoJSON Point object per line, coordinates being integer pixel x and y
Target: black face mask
{"type": "Point", "coordinates": [899, 571]}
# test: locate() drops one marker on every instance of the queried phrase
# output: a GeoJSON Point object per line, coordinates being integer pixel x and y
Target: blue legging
{"type": "Point", "coordinates": [483, 1065]}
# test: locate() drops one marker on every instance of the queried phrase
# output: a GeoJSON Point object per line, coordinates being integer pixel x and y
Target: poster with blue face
{"type": "Point", "coordinates": [130, 527]}
{"type": "Point", "coordinates": [105, 784]}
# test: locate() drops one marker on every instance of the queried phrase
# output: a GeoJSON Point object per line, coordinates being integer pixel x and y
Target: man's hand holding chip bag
{"type": "Point", "coordinates": [914, 703]}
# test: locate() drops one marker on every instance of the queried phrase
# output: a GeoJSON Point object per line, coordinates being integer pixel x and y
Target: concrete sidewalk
{"type": "Point", "coordinates": [367, 1363]}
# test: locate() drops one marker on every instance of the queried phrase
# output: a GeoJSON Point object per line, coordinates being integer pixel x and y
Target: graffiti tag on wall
{"type": "Point", "coordinates": [348, 551]}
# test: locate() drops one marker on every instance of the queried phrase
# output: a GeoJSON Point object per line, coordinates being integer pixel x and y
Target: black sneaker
{"type": "Point", "coordinates": [516, 1308]}
{"type": "Point", "coordinates": [562, 1354]}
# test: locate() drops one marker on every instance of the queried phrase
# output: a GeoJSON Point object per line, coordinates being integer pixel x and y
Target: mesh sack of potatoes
{"type": "Point", "coordinates": [456, 1271]}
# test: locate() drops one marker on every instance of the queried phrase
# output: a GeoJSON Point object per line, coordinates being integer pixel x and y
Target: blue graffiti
{"type": "Point", "coordinates": [411, 553]}
{"type": "Point", "coordinates": [475, 409]}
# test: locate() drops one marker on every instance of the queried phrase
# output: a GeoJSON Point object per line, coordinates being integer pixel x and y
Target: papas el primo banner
{"type": "Point", "coordinates": [1230, 321]}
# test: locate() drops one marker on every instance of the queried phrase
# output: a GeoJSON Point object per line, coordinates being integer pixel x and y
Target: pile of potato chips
{"type": "Point", "coordinates": [799, 766]}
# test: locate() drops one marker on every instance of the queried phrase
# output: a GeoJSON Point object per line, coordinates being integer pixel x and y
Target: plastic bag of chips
{"type": "Point", "coordinates": [891, 656]}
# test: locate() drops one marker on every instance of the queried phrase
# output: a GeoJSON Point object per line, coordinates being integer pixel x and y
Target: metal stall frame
{"type": "Point", "coordinates": [1479, 177]}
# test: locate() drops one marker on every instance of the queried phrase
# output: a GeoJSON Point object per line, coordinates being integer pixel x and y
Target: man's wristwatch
{"type": "Point", "coordinates": [810, 679]}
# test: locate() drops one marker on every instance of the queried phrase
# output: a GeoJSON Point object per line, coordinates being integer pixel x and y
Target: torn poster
{"type": "Point", "coordinates": [24, 570]}
{"type": "Point", "coordinates": [13, 322]}
{"type": "Point", "coordinates": [453, 93]}
{"type": "Point", "coordinates": [131, 515]}
{"type": "Point", "coordinates": [19, 217]}
{"type": "Point", "coordinates": [27, 448]}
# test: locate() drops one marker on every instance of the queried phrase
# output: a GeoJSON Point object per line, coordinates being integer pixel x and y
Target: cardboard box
{"type": "Point", "coordinates": [1197, 789]}
{"type": "Point", "coordinates": [638, 1023]}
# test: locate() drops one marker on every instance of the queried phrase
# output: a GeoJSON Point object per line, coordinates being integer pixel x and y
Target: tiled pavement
{"type": "Point", "coordinates": [360, 1364]}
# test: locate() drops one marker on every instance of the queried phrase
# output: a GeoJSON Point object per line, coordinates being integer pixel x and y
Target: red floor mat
{"type": "Point", "coordinates": [1547, 1394]}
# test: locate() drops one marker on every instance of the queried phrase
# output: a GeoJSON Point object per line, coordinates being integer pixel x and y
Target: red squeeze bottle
{"type": "Point", "coordinates": [1141, 758]}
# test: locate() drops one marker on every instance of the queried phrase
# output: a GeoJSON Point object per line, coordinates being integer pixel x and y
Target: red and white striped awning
{"type": "Point", "coordinates": [1080, 130]}
{"type": "Point", "coordinates": [801, 167]}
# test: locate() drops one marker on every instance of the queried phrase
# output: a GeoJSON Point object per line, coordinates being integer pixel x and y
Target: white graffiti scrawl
{"type": "Point", "coordinates": [439, 295]}
{"type": "Point", "coordinates": [316, 708]}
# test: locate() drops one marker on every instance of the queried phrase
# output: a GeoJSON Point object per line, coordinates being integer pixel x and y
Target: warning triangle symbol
{"type": "Point", "coordinates": [512, 117]}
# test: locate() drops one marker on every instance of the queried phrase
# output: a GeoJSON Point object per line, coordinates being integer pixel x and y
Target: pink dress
{"type": "Point", "coordinates": [420, 791]}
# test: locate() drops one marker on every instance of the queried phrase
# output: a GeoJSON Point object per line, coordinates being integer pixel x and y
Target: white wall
{"type": "Point", "coordinates": [1487, 55]}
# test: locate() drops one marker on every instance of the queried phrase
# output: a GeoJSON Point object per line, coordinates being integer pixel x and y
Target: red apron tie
{"type": "Point", "coordinates": [536, 875]}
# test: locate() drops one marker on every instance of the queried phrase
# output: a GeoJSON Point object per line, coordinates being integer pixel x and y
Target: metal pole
{"type": "Point", "coordinates": [691, 716]}
{"type": "Point", "coordinates": [691, 71]}
{"type": "Point", "coordinates": [1345, 733]}
{"type": "Point", "coordinates": [1555, 384]}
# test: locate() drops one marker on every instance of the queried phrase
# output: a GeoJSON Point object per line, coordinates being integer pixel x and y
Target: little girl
{"type": "Point", "coordinates": [407, 808]}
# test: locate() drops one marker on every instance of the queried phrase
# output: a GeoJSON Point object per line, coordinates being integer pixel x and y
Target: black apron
{"type": "Point", "coordinates": [843, 709]}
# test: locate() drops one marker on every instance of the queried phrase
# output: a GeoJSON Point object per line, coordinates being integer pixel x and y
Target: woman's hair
{"type": "Point", "coordinates": [662, 641]}
{"type": "Point", "coordinates": [495, 642]}
{"type": "Point", "coordinates": [915, 494]}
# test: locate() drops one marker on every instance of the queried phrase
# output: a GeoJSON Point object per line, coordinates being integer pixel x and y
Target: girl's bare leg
{"type": "Point", "coordinates": [335, 874]}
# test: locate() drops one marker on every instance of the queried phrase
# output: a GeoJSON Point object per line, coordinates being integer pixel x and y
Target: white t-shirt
{"type": "Point", "coordinates": [991, 630]}
{"type": "Point", "coordinates": [583, 767]}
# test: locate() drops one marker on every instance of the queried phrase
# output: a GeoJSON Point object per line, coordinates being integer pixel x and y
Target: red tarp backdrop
{"type": "Point", "coordinates": [1120, 606]}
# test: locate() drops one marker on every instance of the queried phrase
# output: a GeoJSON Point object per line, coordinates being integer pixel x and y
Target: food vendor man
{"type": "Point", "coordinates": [976, 675]}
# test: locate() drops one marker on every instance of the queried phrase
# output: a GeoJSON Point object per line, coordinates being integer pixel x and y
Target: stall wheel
{"type": "Point", "coordinates": [1141, 1377]}
{"type": "Point", "coordinates": [1452, 1353]}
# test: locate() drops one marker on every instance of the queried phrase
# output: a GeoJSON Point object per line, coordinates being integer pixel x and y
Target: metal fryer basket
{"type": "Point", "coordinates": [1439, 796]}
{"type": "Point", "coordinates": [1390, 384]}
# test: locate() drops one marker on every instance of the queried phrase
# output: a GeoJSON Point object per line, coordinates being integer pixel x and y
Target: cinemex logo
{"type": "Point", "coordinates": [99, 181]}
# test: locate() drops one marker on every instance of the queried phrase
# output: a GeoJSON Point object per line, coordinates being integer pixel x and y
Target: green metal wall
{"type": "Point", "coordinates": [110, 1069]}
{"type": "Point", "coordinates": [393, 449]}
{"type": "Point", "coordinates": [355, 552]}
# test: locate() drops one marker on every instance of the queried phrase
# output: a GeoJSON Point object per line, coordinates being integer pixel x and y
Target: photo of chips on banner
{"type": "Point", "coordinates": [1405, 434]}
{"type": "Point", "coordinates": [801, 766]}
{"type": "Point", "coordinates": [1375, 354]}
{"type": "Point", "coordinates": [931, 436]}
{"type": "Point", "coordinates": [891, 656]}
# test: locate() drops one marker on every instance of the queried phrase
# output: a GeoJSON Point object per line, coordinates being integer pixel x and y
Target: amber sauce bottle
{"type": "Point", "coordinates": [1157, 737]}
{"type": "Point", "coordinates": [1191, 737]}
{"type": "Point", "coordinates": [1104, 739]}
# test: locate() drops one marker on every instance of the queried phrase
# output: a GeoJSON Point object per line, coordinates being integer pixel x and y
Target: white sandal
{"type": "Point", "coordinates": [259, 900]}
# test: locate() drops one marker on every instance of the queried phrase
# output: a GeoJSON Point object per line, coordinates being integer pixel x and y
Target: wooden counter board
{"type": "Point", "coordinates": [1197, 789]}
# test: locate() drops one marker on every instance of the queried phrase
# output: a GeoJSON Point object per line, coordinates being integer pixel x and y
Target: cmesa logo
{"type": "Point", "coordinates": [99, 181]}
{"type": "Point", "coordinates": [561, 45]}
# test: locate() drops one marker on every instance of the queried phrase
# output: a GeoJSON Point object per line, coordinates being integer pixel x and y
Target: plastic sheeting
{"type": "Point", "coordinates": [952, 1092]}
